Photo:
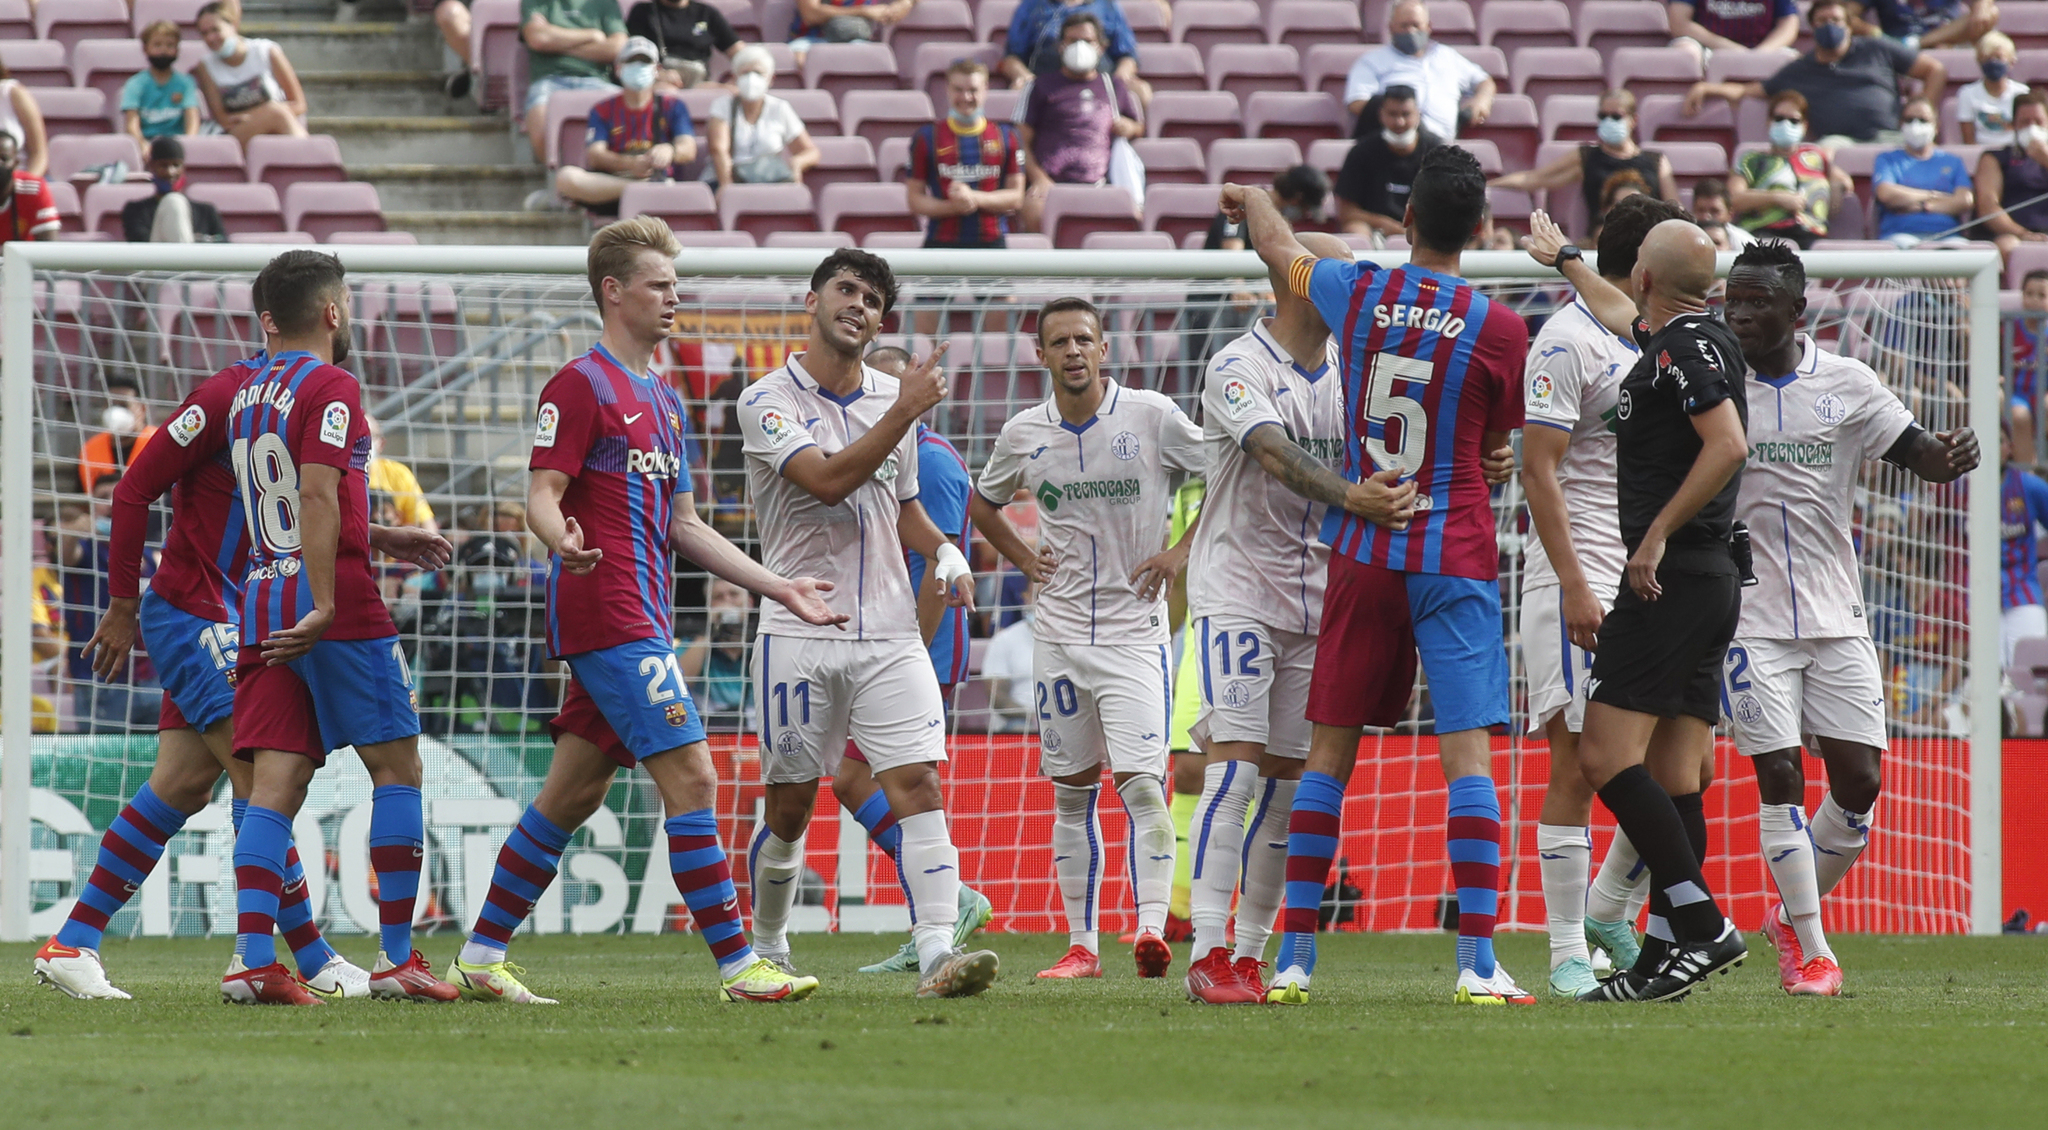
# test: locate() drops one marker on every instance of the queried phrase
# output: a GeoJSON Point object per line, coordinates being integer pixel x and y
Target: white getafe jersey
{"type": "Point", "coordinates": [854, 544]}
{"type": "Point", "coordinates": [1257, 553]}
{"type": "Point", "coordinates": [1574, 382]}
{"type": "Point", "coordinates": [1104, 489]}
{"type": "Point", "coordinates": [1809, 433]}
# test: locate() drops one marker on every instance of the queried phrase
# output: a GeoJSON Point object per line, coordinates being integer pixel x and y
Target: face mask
{"type": "Point", "coordinates": [636, 76]}
{"type": "Point", "coordinates": [163, 185]}
{"type": "Point", "coordinates": [964, 121]}
{"type": "Point", "coordinates": [2030, 136]}
{"type": "Point", "coordinates": [1411, 42]}
{"type": "Point", "coordinates": [118, 420]}
{"type": "Point", "coordinates": [103, 526]}
{"type": "Point", "coordinates": [727, 617]}
{"type": "Point", "coordinates": [1828, 37]}
{"type": "Point", "coordinates": [229, 44]}
{"type": "Point", "coordinates": [163, 62]}
{"type": "Point", "coordinates": [1918, 134]}
{"type": "Point", "coordinates": [489, 580]}
{"type": "Point", "coordinates": [1402, 140]}
{"type": "Point", "coordinates": [1080, 55]}
{"type": "Point", "coordinates": [1994, 69]}
{"type": "Point", "coordinates": [1613, 131]}
{"type": "Point", "coordinates": [753, 86]}
{"type": "Point", "coordinates": [1785, 135]}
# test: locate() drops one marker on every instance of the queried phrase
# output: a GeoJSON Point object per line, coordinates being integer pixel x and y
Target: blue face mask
{"type": "Point", "coordinates": [1411, 42]}
{"type": "Point", "coordinates": [103, 526]}
{"type": "Point", "coordinates": [964, 121]}
{"type": "Point", "coordinates": [1994, 69]}
{"type": "Point", "coordinates": [1828, 37]}
{"type": "Point", "coordinates": [163, 185]}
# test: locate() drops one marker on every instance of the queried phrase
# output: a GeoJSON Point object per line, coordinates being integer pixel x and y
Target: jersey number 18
{"type": "Point", "coordinates": [269, 482]}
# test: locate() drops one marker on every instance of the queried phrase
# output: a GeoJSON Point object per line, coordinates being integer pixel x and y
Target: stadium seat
{"type": "Point", "coordinates": [1653, 70]}
{"type": "Point", "coordinates": [1513, 128]}
{"type": "Point", "coordinates": [184, 13]}
{"type": "Point", "coordinates": [1178, 209]}
{"type": "Point", "coordinates": [1147, 26]}
{"type": "Point", "coordinates": [1325, 66]}
{"type": "Point", "coordinates": [386, 238]}
{"type": "Point", "coordinates": [1526, 23]}
{"type": "Point", "coordinates": [1571, 117]}
{"type": "Point", "coordinates": [879, 114]}
{"type": "Point", "coordinates": [1959, 62]}
{"type": "Point", "coordinates": [568, 128]}
{"type": "Point", "coordinates": [1486, 153]}
{"type": "Point", "coordinates": [820, 240]}
{"type": "Point", "coordinates": [69, 210]}
{"type": "Point", "coordinates": [1327, 155]}
{"type": "Point", "coordinates": [1450, 21]}
{"type": "Point", "coordinates": [743, 15]}
{"type": "Point", "coordinates": [1242, 68]}
{"type": "Point", "coordinates": [1029, 241]}
{"type": "Point", "coordinates": [1243, 160]}
{"type": "Point", "coordinates": [107, 64]}
{"type": "Point", "coordinates": [1661, 118]}
{"type": "Point", "coordinates": [17, 23]}
{"type": "Point", "coordinates": [243, 207]}
{"type": "Point", "coordinates": [214, 158]}
{"type": "Point", "coordinates": [839, 68]}
{"type": "Point", "coordinates": [1507, 204]}
{"type": "Point", "coordinates": [72, 110]}
{"type": "Point", "coordinates": [68, 21]}
{"type": "Point", "coordinates": [1074, 210]}
{"type": "Point", "coordinates": [2026, 25]}
{"type": "Point", "coordinates": [1171, 160]}
{"type": "Point", "coordinates": [1748, 66]}
{"type": "Point", "coordinates": [687, 206]}
{"type": "Point", "coordinates": [928, 67]}
{"type": "Point", "coordinates": [1206, 116]}
{"type": "Point", "coordinates": [101, 211]}
{"type": "Point", "coordinates": [1003, 105]}
{"type": "Point", "coordinates": [716, 239]}
{"type": "Point", "coordinates": [775, 20]}
{"type": "Point", "coordinates": [415, 323]}
{"type": "Point", "coordinates": [1693, 161]}
{"type": "Point", "coordinates": [272, 237]}
{"type": "Point", "coordinates": [1540, 72]}
{"type": "Point", "coordinates": [1492, 60]}
{"type": "Point", "coordinates": [892, 159]}
{"type": "Point", "coordinates": [1302, 118]}
{"type": "Point", "coordinates": [992, 20]}
{"type": "Point", "coordinates": [69, 155]}
{"type": "Point", "coordinates": [818, 108]}
{"type": "Point", "coordinates": [841, 160]}
{"type": "Point", "coordinates": [325, 208]}
{"type": "Point", "coordinates": [758, 209]}
{"type": "Point", "coordinates": [1606, 25]}
{"type": "Point", "coordinates": [500, 56]}
{"type": "Point", "coordinates": [892, 240]}
{"type": "Point", "coordinates": [1174, 66]}
{"type": "Point", "coordinates": [281, 161]}
{"type": "Point", "coordinates": [1302, 24]}
{"type": "Point", "coordinates": [950, 22]}
{"type": "Point", "coordinates": [858, 209]}
{"type": "Point", "coordinates": [2024, 257]}
{"type": "Point", "coordinates": [1206, 23]}
{"type": "Point", "coordinates": [1195, 241]}
{"type": "Point", "coordinates": [35, 62]}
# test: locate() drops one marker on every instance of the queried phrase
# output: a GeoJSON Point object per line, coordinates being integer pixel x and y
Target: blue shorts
{"type": "Point", "coordinates": [195, 662]}
{"type": "Point", "coordinates": [538, 90]}
{"type": "Point", "coordinates": [342, 693]}
{"type": "Point", "coordinates": [1375, 623]}
{"type": "Point", "coordinates": [637, 689]}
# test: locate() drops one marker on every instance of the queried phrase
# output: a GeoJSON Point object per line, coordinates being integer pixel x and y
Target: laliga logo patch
{"type": "Point", "coordinates": [187, 426]}
{"type": "Point", "coordinates": [1748, 710]}
{"type": "Point", "coordinates": [1542, 390]}
{"type": "Point", "coordinates": [776, 427]}
{"type": "Point", "coordinates": [550, 423]}
{"type": "Point", "coordinates": [1237, 397]}
{"type": "Point", "coordinates": [289, 567]}
{"type": "Point", "coordinates": [334, 424]}
{"type": "Point", "coordinates": [1829, 409]}
{"type": "Point", "coordinates": [1124, 446]}
{"type": "Point", "coordinates": [886, 473]}
{"type": "Point", "coordinates": [677, 713]}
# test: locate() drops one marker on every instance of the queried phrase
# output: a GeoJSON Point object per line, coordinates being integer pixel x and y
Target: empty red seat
{"type": "Point", "coordinates": [1206, 23]}
{"type": "Point", "coordinates": [1242, 68]}
{"type": "Point", "coordinates": [1327, 155]}
{"type": "Point", "coordinates": [1174, 66]}
{"type": "Point", "coordinates": [928, 67]}
{"type": "Point", "coordinates": [819, 109]}
{"type": "Point", "coordinates": [1693, 160]}
{"type": "Point", "coordinates": [1571, 117]}
{"type": "Point", "coordinates": [300, 237]}
{"type": "Point", "coordinates": [716, 239]}
{"type": "Point", "coordinates": [16, 21]}
{"type": "Point", "coordinates": [818, 240]}
{"type": "Point", "coordinates": [744, 17]}
{"type": "Point", "coordinates": [1127, 241]}
{"type": "Point", "coordinates": [892, 240]}
{"type": "Point", "coordinates": [1205, 116]}
{"type": "Point", "coordinates": [992, 20]}
{"type": "Point", "coordinates": [81, 110]}
{"type": "Point", "coordinates": [1653, 70]}
{"type": "Point", "coordinates": [1485, 152]}
{"type": "Point", "coordinates": [1302, 118]}
{"type": "Point", "coordinates": [1513, 127]}
{"type": "Point", "coordinates": [876, 114]}
{"type": "Point", "coordinates": [1526, 23]}
{"type": "Point", "coordinates": [2026, 25]}
{"type": "Point", "coordinates": [758, 209]}
{"type": "Point", "coordinates": [101, 210]}
{"type": "Point", "coordinates": [65, 196]}
{"type": "Point", "coordinates": [1074, 210]}
{"type": "Point", "coordinates": [1605, 25]}
{"type": "Point", "coordinates": [1540, 72]}
{"type": "Point", "coordinates": [243, 207]}
{"type": "Point", "coordinates": [1661, 118]}
{"type": "Point", "coordinates": [1171, 160]}
{"type": "Point", "coordinates": [844, 67]}
{"type": "Point", "coordinates": [35, 62]}
{"type": "Point", "coordinates": [284, 161]}
{"type": "Point", "coordinates": [1245, 160]}
{"type": "Point", "coordinates": [1181, 209]}
{"type": "Point", "coordinates": [69, 155]}
{"type": "Point", "coordinates": [324, 208]}
{"type": "Point", "coordinates": [858, 209]}
{"type": "Point", "coordinates": [776, 16]}
{"type": "Point", "coordinates": [568, 128]}
{"type": "Point", "coordinates": [1451, 21]}
{"type": "Point", "coordinates": [892, 158]}
{"type": "Point", "coordinates": [1147, 25]}
{"type": "Point", "coordinates": [1509, 205]}
{"type": "Point", "coordinates": [1302, 24]}
{"type": "Point", "coordinates": [1748, 66]}
{"type": "Point", "coordinates": [932, 21]}
{"type": "Point", "coordinates": [184, 13]}
{"type": "Point", "coordinates": [841, 160]}
{"type": "Point", "coordinates": [213, 158]}
{"type": "Point", "coordinates": [1325, 66]}
{"type": "Point", "coordinates": [1028, 241]}
{"type": "Point", "coordinates": [686, 206]}
{"type": "Point", "coordinates": [387, 238]}
{"type": "Point", "coordinates": [1492, 60]}
{"type": "Point", "coordinates": [496, 49]}
{"type": "Point", "coordinates": [68, 21]}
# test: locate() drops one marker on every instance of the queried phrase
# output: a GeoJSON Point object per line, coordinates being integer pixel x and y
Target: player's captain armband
{"type": "Point", "coordinates": [187, 426]}
{"type": "Point", "coordinates": [334, 424]}
{"type": "Point", "coordinates": [550, 422]}
{"type": "Point", "coordinates": [1298, 274]}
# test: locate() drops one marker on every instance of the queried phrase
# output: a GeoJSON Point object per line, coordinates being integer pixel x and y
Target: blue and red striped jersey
{"type": "Point", "coordinates": [1430, 366]}
{"type": "Point", "coordinates": [2022, 508]}
{"type": "Point", "coordinates": [295, 411]}
{"type": "Point", "coordinates": [798, 29]}
{"type": "Point", "coordinates": [943, 484]}
{"type": "Point", "coordinates": [619, 436]}
{"type": "Point", "coordinates": [941, 153]}
{"type": "Point", "coordinates": [629, 132]}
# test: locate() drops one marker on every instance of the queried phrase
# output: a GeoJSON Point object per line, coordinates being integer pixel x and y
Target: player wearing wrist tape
{"type": "Point", "coordinates": [1802, 662]}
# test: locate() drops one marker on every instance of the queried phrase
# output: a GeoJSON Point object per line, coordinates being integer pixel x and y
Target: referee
{"type": "Point", "coordinates": [1655, 689]}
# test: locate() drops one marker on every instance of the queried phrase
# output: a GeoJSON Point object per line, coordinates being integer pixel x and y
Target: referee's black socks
{"type": "Point", "coordinates": [1652, 819]}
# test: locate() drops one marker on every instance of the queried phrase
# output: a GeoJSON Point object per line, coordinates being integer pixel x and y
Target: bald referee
{"type": "Point", "coordinates": [1655, 689]}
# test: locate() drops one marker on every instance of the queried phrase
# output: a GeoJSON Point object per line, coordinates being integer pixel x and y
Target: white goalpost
{"type": "Point", "coordinates": [453, 343]}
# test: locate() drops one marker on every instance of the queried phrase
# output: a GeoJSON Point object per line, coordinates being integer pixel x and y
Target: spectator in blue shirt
{"type": "Point", "coordinates": [638, 134]}
{"type": "Point", "coordinates": [1921, 191]}
{"type": "Point", "coordinates": [1034, 43]}
{"type": "Point", "coordinates": [161, 101]}
{"type": "Point", "coordinates": [1922, 24]}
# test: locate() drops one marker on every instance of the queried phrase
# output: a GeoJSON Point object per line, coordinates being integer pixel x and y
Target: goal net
{"type": "Point", "coordinates": [453, 346]}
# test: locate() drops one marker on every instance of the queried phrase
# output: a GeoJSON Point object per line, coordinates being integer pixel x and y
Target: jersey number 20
{"type": "Point", "coordinates": [270, 491]}
{"type": "Point", "coordinates": [1382, 407]}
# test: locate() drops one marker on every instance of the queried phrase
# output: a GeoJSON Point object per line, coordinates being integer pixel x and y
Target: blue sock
{"type": "Point", "coordinates": [236, 809]}
{"type": "Point", "coordinates": [260, 849]}
{"type": "Point", "coordinates": [526, 865]}
{"type": "Point", "coordinates": [874, 815]}
{"type": "Point", "coordinates": [398, 830]}
{"type": "Point", "coordinates": [310, 951]}
{"type": "Point", "coordinates": [704, 876]}
{"type": "Point", "coordinates": [1314, 829]}
{"type": "Point", "coordinates": [128, 853]}
{"type": "Point", "coordinates": [1473, 844]}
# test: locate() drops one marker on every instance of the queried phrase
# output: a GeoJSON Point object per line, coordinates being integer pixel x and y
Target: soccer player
{"type": "Point", "coordinates": [832, 463]}
{"type": "Point", "coordinates": [324, 669]}
{"type": "Point", "coordinates": [1432, 377]}
{"type": "Point", "coordinates": [1802, 662]}
{"type": "Point", "coordinates": [610, 497]}
{"type": "Point", "coordinates": [1098, 457]}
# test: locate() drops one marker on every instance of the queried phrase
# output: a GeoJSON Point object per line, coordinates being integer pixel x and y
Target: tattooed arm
{"type": "Point", "coordinates": [1381, 499]}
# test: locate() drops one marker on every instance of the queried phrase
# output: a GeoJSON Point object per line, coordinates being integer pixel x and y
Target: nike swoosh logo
{"type": "Point", "coordinates": [939, 868]}
{"type": "Point", "coordinates": [635, 416]}
{"type": "Point", "coordinates": [730, 904]}
{"type": "Point", "coordinates": [779, 882]}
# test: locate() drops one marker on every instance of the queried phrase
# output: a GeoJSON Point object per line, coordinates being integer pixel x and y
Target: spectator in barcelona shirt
{"type": "Point", "coordinates": [638, 134]}
{"type": "Point", "coordinates": [1372, 187]}
{"type": "Point", "coordinates": [22, 119]}
{"type": "Point", "coordinates": [168, 215]}
{"type": "Point", "coordinates": [160, 100]}
{"type": "Point", "coordinates": [1921, 191]}
{"type": "Point", "coordinates": [28, 210]}
{"type": "Point", "coordinates": [687, 32]}
{"type": "Point", "coordinates": [966, 172]}
{"type": "Point", "coordinates": [1922, 24]}
{"type": "Point", "coordinates": [2027, 390]}
{"type": "Point", "coordinates": [1851, 82]}
{"type": "Point", "coordinates": [570, 45]}
{"type": "Point", "coordinates": [1706, 26]}
{"type": "Point", "coordinates": [842, 21]}
{"type": "Point", "coordinates": [1072, 118]}
{"type": "Point", "coordinates": [249, 85]}
{"type": "Point", "coordinates": [2022, 515]}
{"type": "Point", "coordinates": [1035, 41]}
{"type": "Point", "coordinates": [2012, 182]}
{"type": "Point", "coordinates": [1984, 108]}
{"type": "Point", "coordinates": [1454, 90]}
{"type": "Point", "coordinates": [1593, 163]}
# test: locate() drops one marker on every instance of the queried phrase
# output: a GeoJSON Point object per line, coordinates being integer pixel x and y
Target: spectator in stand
{"type": "Point", "coordinates": [397, 480]}
{"type": "Point", "coordinates": [1037, 38]}
{"type": "Point", "coordinates": [1922, 24]}
{"type": "Point", "coordinates": [1786, 190]}
{"type": "Point", "coordinates": [28, 210]}
{"type": "Point", "coordinates": [842, 21]}
{"type": "Point", "coordinates": [22, 120]}
{"type": "Point", "coordinates": [1072, 118]}
{"type": "Point", "coordinates": [638, 134]}
{"type": "Point", "coordinates": [755, 137]}
{"type": "Point", "coordinates": [1372, 187]}
{"type": "Point", "coordinates": [1455, 91]}
{"type": "Point", "coordinates": [168, 215]}
{"type": "Point", "coordinates": [1851, 81]}
{"type": "Point", "coordinates": [966, 172]}
{"type": "Point", "coordinates": [2022, 517]}
{"type": "Point", "coordinates": [2029, 383]}
{"type": "Point", "coordinates": [1593, 163]}
{"type": "Point", "coordinates": [249, 85]}
{"type": "Point", "coordinates": [570, 45]}
{"type": "Point", "coordinates": [715, 663]}
{"type": "Point", "coordinates": [160, 101]}
{"type": "Point", "coordinates": [1921, 191]}
{"type": "Point", "coordinates": [2012, 182]}
{"type": "Point", "coordinates": [1710, 208]}
{"type": "Point", "coordinates": [128, 432]}
{"type": "Point", "coordinates": [1984, 108]}
{"type": "Point", "coordinates": [452, 18]}
{"type": "Point", "coordinates": [83, 552]}
{"type": "Point", "coordinates": [1619, 186]}
{"type": "Point", "coordinates": [1707, 26]}
{"type": "Point", "coordinates": [686, 32]}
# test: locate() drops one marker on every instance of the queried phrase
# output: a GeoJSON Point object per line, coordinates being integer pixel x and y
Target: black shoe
{"type": "Point", "coordinates": [457, 84]}
{"type": "Point", "coordinates": [1625, 986]}
{"type": "Point", "coordinates": [1691, 963]}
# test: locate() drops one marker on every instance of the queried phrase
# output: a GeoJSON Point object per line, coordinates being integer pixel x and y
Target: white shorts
{"type": "Point", "coordinates": [1254, 681]}
{"type": "Point", "coordinates": [1774, 692]}
{"type": "Point", "coordinates": [1556, 667]}
{"type": "Point", "coordinates": [2021, 622]}
{"type": "Point", "coordinates": [1102, 702]}
{"type": "Point", "coordinates": [814, 694]}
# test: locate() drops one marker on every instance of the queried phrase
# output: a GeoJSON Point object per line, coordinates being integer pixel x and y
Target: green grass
{"type": "Point", "coordinates": [1948, 1031]}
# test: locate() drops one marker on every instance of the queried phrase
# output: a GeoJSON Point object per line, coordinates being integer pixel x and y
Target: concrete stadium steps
{"type": "Point", "coordinates": [440, 225]}
{"type": "Point", "coordinates": [387, 140]}
{"type": "Point", "coordinates": [344, 47]}
{"type": "Point", "coordinates": [399, 94]}
{"type": "Point", "coordinates": [407, 187]}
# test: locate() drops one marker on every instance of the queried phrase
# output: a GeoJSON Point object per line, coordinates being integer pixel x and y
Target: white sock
{"type": "Point", "coordinates": [931, 871]}
{"type": "Point", "coordinates": [1781, 832]}
{"type": "Point", "coordinates": [1077, 859]}
{"type": "Point", "coordinates": [1217, 839]}
{"type": "Point", "coordinates": [1150, 849]}
{"type": "Point", "coordinates": [1264, 886]}
{"type": "Point", "coordinates": [1839, 837]}
{"type": "Point", "coordinates": [774, 866]}
{"type": "Point", "coordinates": [1564, 854]}
{"type": "Point", "coordinates": [1622, 878]}
{"type": "Point", "coordinates": [476, 953]}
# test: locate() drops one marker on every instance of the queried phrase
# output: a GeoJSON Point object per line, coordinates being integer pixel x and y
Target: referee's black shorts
{"type": "Point", "coordinates": [1664, 656]}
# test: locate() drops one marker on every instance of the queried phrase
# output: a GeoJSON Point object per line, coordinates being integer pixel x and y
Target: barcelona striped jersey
{"type": "Point", "coordinates": [983, 160]}
{"type": "Point", "coordinates": [630, 132]}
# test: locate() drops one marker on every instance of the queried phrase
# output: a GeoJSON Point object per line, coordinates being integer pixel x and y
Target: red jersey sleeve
{"type": "Point", "coordinates": [1510, 356]}
{"type": "Point", "coordinates": [921, 152]}
{"type": "Point", "coordinates": [566, 424]}
{"type": "Point", "coordinates": [194, 434]}
{"type": "Point", "coordinates": [1013, 154]}
{"type": "Point", "coordinates": [42, 206]}
{"type": "Point", "coordinates": [327, 433]}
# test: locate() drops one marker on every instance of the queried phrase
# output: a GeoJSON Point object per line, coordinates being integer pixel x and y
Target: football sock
{"type": "Point", "coordinates": [1564, 854]}
{"type": "Point", "coordinates": [1615, 886]}
{"type": "Point", "coordinates": [1839, 837]}
{"type": "Point", "coordinates": [704, 877]}
{"type": "Point", "coordinates": [310, 951]}
{"type": "Point", "coordinates": [1217, 844]}
{"type": "Point", "coordinates": [875, 816]}
{"type": "Point", "coordinates": [1313, 829]}
{"type": "Point", "coordinates": [260, 849]}
{"type": "Point", "coordinates": [128, 853]}
{"type": "Point", "coordinates": [1652, 821]}
{"type": "Point", "coordinates": [1781, 832]}
{"type": "Point", "coordinates": [773, 865]}
{"type": "Point", "coordinates": [237, 808]}
{"type": "Point", "coordinates": [1264, 865]}
{"type": "Point", "coordinates": [526, 865]}
{"type": "Point", "coordinates": [1692, 813]}
{"type": "Point", "coordinates": [1077, 858]}
{"type": "Point", "coordinates": [1149, 849]}
{"type": "Point", "coordinates": [398, 834]}
{"type": "Point", "coordinates": [1184, 807]}
{"type": "Point", "coordinates": [931, 873]}
{"type": "Point", "coordinates": [1473, 836]}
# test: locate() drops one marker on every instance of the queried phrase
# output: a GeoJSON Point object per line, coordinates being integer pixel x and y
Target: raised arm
{"type": "Point", "coordinates": [1382, 499]}
{"type": "Point", "coordinates": [1558, 173]}
{"type": "Point", "coordinates": [1264, 226]}
{"type": "Point", "coordinates": [831, 478]}
{"type": "Point", "coordinates": [1614, 309]}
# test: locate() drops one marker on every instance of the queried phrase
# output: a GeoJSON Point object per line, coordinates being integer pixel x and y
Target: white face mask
{"type": "Point", "coordinates": [636, 76]}
{"type": "Point", "coordinates": [1402, 140]}
{"type": "Point", "coordinates": [753, 86]}
{"type": "Point", "coordinates": [1785, 135]}
{"type": "Point", "coordinates": [1918, 134]}
{"type": "Point", "coordinates": [2030, 136]}
{"type": "Point", "coordinates": [229, 44]}
{"type": "Point", "coordinates": [1080, 55]}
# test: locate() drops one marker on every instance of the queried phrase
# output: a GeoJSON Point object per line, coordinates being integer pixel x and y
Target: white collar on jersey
{"type": "Point", "coordinates": [799, 374]}
{"type": "Point", "coordinates": [1265, 338]}
{"type": "Point", "coordinates": [1112, 393]}
{"type": "Point", "coordinates": [1579, 304]}
{"type": "Point", "coordinates": [1809, 361]}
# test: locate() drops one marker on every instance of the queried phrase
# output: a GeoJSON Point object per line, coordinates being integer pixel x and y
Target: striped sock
{"type": "Point", "coordinates": [310, 951]}
{"type": "Point", "coordinates": [260, 849]}
{"type": "Point", "coordinates": [704, 876]}
{"type": "Point", "coordinates": [1313, 831]}
{"type": "Point", "coordinates": [526, 865]}
{"type": "Point", "coordinates": [128, 853]}
{"type": "Point", "coordinates": [1473, 835]}
{"type": "Point", "coordinates": [238, 808]}
{"type": "Point", "coordinates": [398, 837]}
{"type": "Point", "coordinates": [874, 815]}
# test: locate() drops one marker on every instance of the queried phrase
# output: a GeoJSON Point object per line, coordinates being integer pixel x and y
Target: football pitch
{"type": "Point", "coordinates": [1931, 1031]}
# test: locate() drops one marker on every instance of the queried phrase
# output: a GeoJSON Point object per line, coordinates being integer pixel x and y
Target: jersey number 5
{"type": "Point", "coordinates": [1382, 407]}
{"type": "Point", "coordinates": [269, 482]}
